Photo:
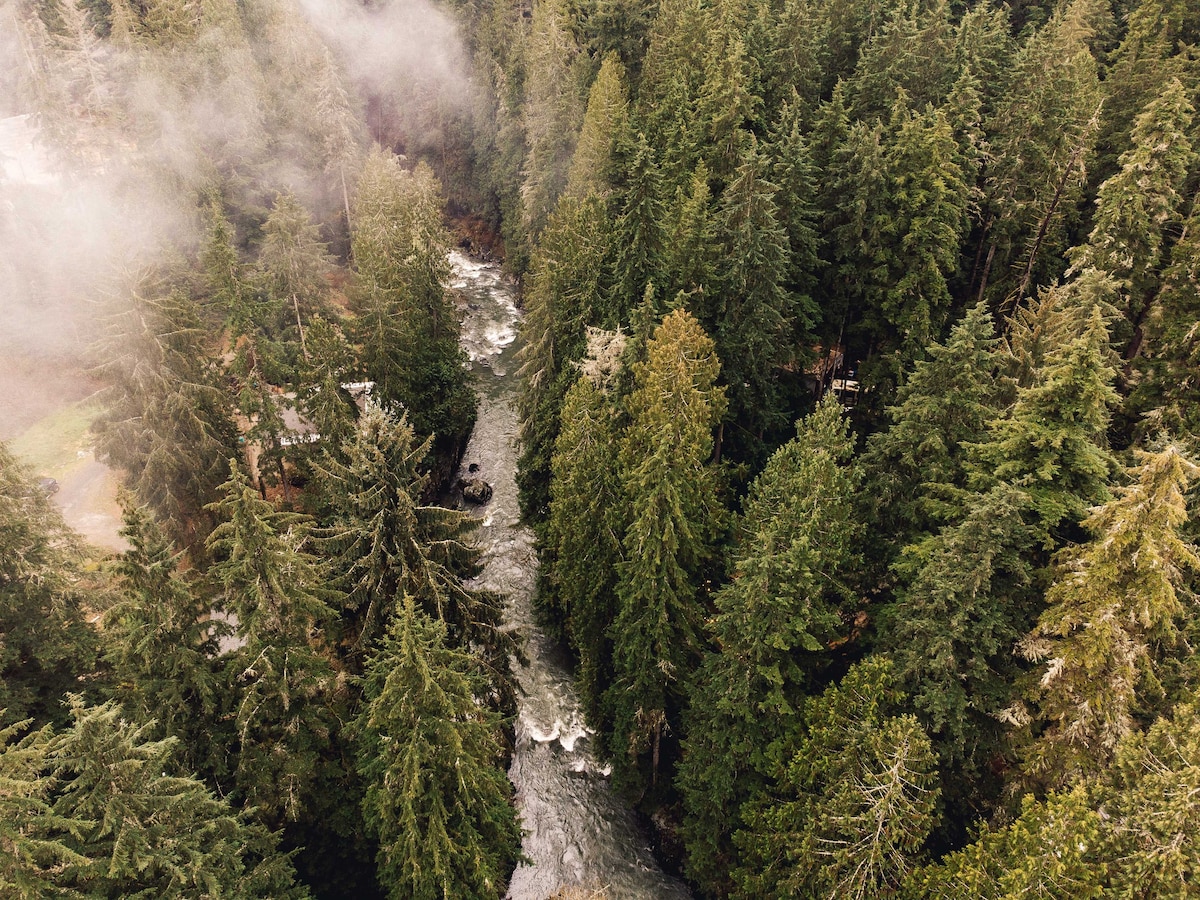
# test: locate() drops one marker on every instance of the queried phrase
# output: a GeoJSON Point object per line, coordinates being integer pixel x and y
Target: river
{"type": "Point", "coordinates": [577, 831]}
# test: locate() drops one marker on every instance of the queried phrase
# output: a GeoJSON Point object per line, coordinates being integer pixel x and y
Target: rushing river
{"type": "Point", "coordinates": [577, 832]}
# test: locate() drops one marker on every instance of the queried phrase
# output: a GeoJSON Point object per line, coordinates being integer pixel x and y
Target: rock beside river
{"type": "Point", "coordinates": [475, 490]}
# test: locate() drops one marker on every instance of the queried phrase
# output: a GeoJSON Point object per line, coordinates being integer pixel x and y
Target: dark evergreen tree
{"type": "Point", "coordinates": [281, 683]}
{"type": "Point", "coordinates": [437, 799]}
{"type": "Point", "coordinates": [854, 801]}
{"type": "Point", "coordinates": [674, 517]}
{"type": "Point", "coordinates": [774, 624]}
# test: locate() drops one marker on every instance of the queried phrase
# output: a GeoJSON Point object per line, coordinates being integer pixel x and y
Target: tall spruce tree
{"type": "Point", "coordinates": [281, 683]}
{"type": "Point", "coordinates": [1115, 604]}
{"type": "Point", "coordinates": [437, 798]}
{"type": "Point", "coordinates": [674, 517]}
{"type": "Point", "coordinates": [854, 802]}
{"type": "Point", "coordinates": [775, 620]}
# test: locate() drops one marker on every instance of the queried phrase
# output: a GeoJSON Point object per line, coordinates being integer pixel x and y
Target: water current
{"type": "Point", "coordinates": [577, 831]}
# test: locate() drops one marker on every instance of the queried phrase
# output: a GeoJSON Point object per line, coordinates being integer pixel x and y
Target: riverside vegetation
{"type": "Point", "coordinates": [859, 415]}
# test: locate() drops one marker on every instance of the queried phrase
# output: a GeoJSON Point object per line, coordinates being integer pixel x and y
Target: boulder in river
{"type": "Point", "coordinates": [476, 490]}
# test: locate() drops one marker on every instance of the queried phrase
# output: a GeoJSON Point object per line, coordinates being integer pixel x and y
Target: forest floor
{"type": "Point", "coordinates": [46, 409]}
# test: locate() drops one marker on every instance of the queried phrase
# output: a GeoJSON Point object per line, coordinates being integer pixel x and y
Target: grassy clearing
{"type": "Point", "coordinates": [52, 445]}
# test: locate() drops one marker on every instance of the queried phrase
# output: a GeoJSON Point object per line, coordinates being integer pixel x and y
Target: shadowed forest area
{"type": "Point", "coordinates": [859, 427]}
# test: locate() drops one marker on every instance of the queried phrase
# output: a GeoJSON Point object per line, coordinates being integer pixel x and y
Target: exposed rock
{"type": "Point", "coordinates": [476, 490]}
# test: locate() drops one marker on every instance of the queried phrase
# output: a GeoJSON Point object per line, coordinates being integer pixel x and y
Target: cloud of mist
{"type": "Point", "coordinates": [392, 47]}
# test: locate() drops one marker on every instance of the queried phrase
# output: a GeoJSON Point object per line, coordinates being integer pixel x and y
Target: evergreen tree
{"type": "Point", "coordinates": [282, 685]}
{"type": "Point", "coordinates": [406, 326]}
{"type": "Point", "coordinates": [854, 803]}
{"type": "Point", "coordinates": [564, 294]}
{"type": "Point", "coordinates": [437, 800]}
{"type": "Point", "coordinates": [1052, 443]}
{"type": "Point", "coordinates": [1115, 602]}
{"type": "Point", "coordinates": [673, 520]}
{"type": "Point", "coordinates": [167, 424]}
{"type": "Point", "coordinates": [774, 620]}
{"type": "Point", "coordinates": [45, 641]}
{"type": "Point", "coordinates": [1172, 350]}
{"type": "Point", "coordinates": [293, 262]}
{"type": "Point", "coordinates": [1140, 206]}
{"type": "Point", "coordinates": [593, 167]}
{"type": "Point", "coordinates": [639, 232]}
{"type": "Point", "coordinates": [755, 314]}
{"type": "Point", "coordinates": [913, 468]}
{"type": "Point", "coordinates": [384, 542]}
{"type": "Point", "coordinates": [161, 640]}
{"type": "Point", "coordinates": [97, 812]}
{"type": "Point", "coordinates": [584, 534]}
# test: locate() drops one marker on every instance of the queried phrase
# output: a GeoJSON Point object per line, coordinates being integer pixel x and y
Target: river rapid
{"type": "Point", "coordinates": [577, 831]}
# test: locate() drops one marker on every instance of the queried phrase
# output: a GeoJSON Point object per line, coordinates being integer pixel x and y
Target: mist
{"type": "Point", "coordinates": [110, 146]}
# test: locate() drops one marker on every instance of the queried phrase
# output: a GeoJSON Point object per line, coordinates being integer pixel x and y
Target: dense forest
{"type": "Point", "coordinates": [859, 420]}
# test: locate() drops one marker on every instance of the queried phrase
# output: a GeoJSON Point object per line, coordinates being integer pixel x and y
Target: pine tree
{"type": "Point", "coordinates": [639, 233]}
{"type": "Point", "coordinates": [385, 542]}
{"type": "Point", "coordinates": [98, 812]}
{"type": "Point", "coordinates": [914, 466]}
{"type": "Point", "coordinates": [1052, 444]}
{"type": "Point", "coordinates": [673, 519]}
{"type": "Point", "coordinates": [1115, 601]}
{"type": "Point", "coordinates": [406, 326]}
{"type": "Point", "coordinates": [584, 534]}
{"type": "Point", "coordinates": [854, 803]}
{"type": "Point", "coordinates": [160, 638]}
{"type": "Point", "coordinates": [774, 620]}
{"type": "Point", "coordinates": [564, 294]}
{"type": "Point", "coordinates": [281, 684]}
{"type": "Point", "coordinates": [293, 262]}
{"type": "Point", "coordinates": [756, 315]}
{"type": "Point", "coordinates": [437, 799]}
{"type": "Point", "coordinates": [45, 642]}
{"type": "Point", "coordinates": [593, 167]}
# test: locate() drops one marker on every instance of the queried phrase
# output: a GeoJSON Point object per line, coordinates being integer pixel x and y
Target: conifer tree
{"type": "Point", "coordinates": [437, 799]}
{"type": "Point", "coordinates": [282, 685]}
{"type": "Point", "coordinates": [755, 314]}
{"type": "Point", "coordinates": [1114, 604]}
{"type": "Point", "coordinates": [1052, 444]}
{"type": "Point", "coordinates": [160, 638]}
{"type": "Point", "coordinates": [774, 619]}
{"type": "Point", "coordinates": [854, 802]}
{"type": "Point", "coordinates": [385, 542]}
{"type": "Point", "coordinates": [293, 262]}
{"type": "Point", "coordinates": [593, 167]}
{"type": "Point", "coordinates": [674, 517]}
{"type": "Point", "coordinates": [584, 536]}
{"type": "Point", "coordinates": [914, 466]}
{"type": "Point", "coordinates": [406, 326]}
{"type": "Point", "coordinates": [1172, 350]}
{"type": "Point", "coordinates": [321, 397]}
{"type": "Point", "coordinates": [45, 641]}
{"type": "Point", "coordinates": [564, 294]}
{"type": "Point", "coordinates": [639, 233]}
{"type": "Point", "coordinates": [99, 812]}
{"type": "Point", "coordinates": [1140, 206]}
{"type": "Point", "coordinates": [167, 424]}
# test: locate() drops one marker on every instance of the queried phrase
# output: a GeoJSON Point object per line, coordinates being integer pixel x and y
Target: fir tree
{"type": "Point", "coordinates": [437, 800]}
{"type": "Point", "coordinates": [282, 685]}
{"type": "Point", "coordinates": [854, 802]}
{"type": "Point", "coordinates": [774, 620]}
{"type": "Point", "coordinates": [1114, 603]}
{"type": "Point", "coordinates": [673, 519]}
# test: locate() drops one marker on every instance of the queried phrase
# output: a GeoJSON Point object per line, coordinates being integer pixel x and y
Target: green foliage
{"type": "Point", "coordinates": [44, 639]}
{"type": "Point", "coordinates": [436, 799]}
{"type": "Point", "coordinates": [405, 326]}
{"type": "Point", "coordinates": [674, 517]}
{"type": "Point", "coordinates": [1115, 604]}
{"type": "Point", "coordinates": [95, 811]}
{"type": "Point", "coordinates": [854, 802]}
{"type": "Point", "coordinates": [280, 682]}
{"type": "Point", "coordinates": [775, 621]}
{"type": "Point", "coordinates": [583, 536]}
